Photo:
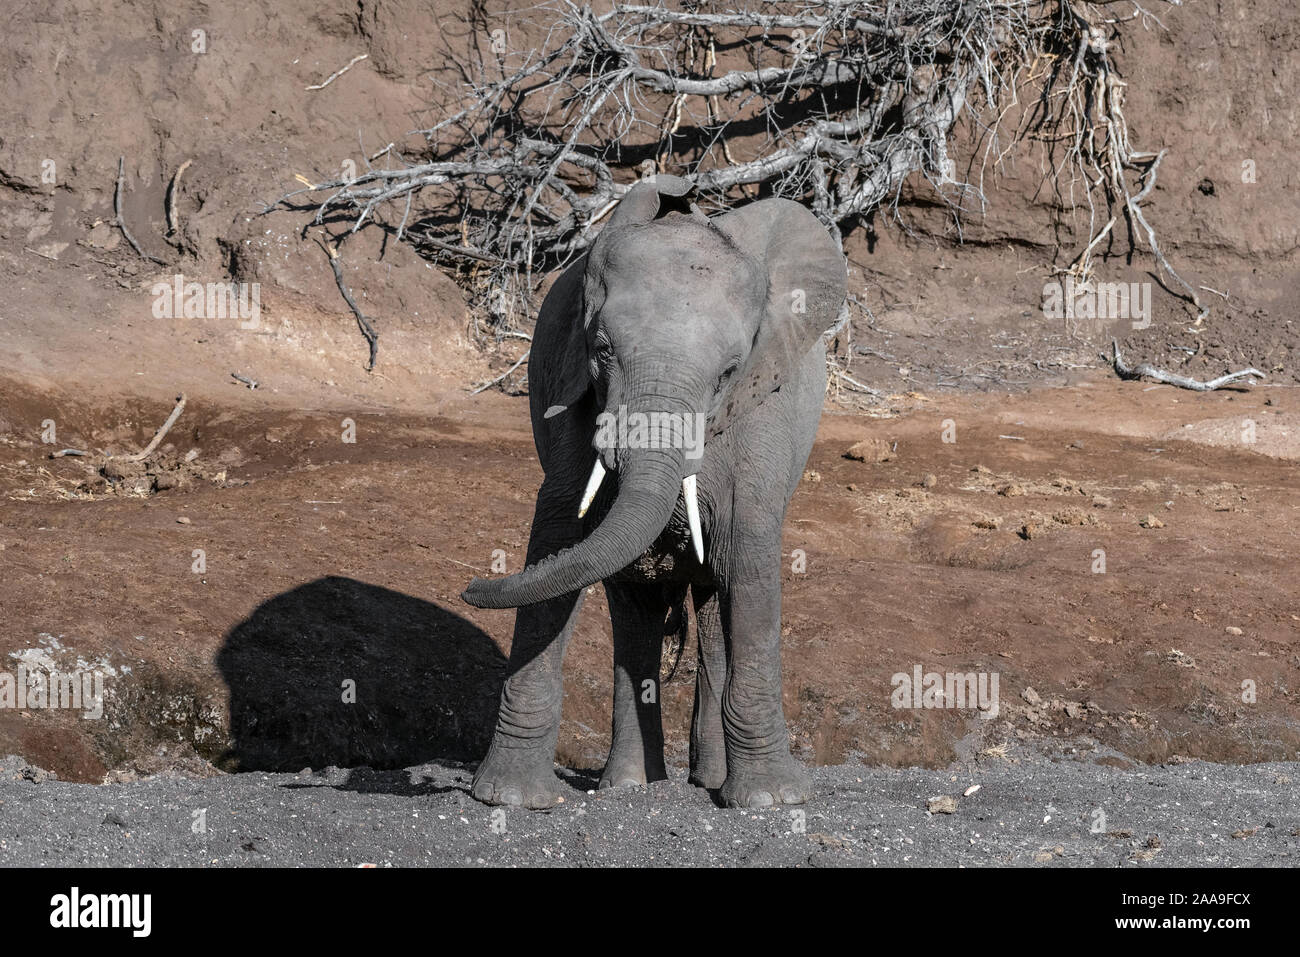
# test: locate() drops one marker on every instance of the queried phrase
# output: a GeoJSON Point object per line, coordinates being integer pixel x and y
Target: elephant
{"type": "Point", "coordinates": [711, 329]}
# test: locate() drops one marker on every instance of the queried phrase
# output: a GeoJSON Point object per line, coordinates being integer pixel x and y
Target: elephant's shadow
{"type": "Point", "coordinates": [338, 672]}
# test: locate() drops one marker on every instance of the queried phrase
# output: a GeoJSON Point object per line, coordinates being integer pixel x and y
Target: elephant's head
{"type": "Point", "coordinates": [684, 323]}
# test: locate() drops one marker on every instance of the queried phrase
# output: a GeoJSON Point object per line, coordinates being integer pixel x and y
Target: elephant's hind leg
{"type": "Point", "coordinates": [636, 753]}
{"type": "Point", "coordinates": [708, 745]}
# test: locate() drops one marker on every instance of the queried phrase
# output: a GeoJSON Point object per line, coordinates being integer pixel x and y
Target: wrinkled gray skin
{"type": "Point", "coordinates": [670, 312]}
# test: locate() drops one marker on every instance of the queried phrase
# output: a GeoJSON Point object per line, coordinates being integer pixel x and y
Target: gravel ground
{"type": "Point", "coordinates": [1029, 810]}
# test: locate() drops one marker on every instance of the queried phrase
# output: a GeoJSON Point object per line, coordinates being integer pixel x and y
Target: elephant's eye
{"type": "Point", "coordinates": [725, 377]}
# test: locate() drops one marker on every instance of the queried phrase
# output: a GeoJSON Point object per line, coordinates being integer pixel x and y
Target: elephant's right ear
{"type": "Point", "coordinates": [558, 367]}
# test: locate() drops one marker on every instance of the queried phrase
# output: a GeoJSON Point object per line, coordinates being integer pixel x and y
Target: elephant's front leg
{"type": "Point", "coordinates": [760, 768]}
{"type": "Point", "coordinates": [520, 765]}
{"type": "Point", "coordinates": [636, 754]}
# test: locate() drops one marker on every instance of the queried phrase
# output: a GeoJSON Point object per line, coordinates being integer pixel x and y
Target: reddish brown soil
{"type": "Point", "coordinates": [328, 561]}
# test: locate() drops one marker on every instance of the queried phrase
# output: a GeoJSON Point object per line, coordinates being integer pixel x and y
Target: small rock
{"type": "Point", "coordinates": [183, 520]}
{"type": "Point", "coordinates": [943, 804]}
{"type": "Point", "coordinates": [1012, 490]}
{"type": "Point", "coordinates": [812, 475]}
{"type": "Point", "coordinates": [1151, 522]}
{"type": "Point", "coordinates": [117, 471]}
{"type": "Point", "coordinates": [112, 817]}
{"type": "Point", "coordinates": [987, 522]}
{"type": "Point", "coordinates": [1073, 516]}
{"type": "Point", "coordinates": [1043, 857]}
{"type": "Point", "coordinates": [930, 480]}
{"type": "Point", "coordinates": [1032, 696]}
{"type": "Point", "coordinates": [870, 450]}
{"type": "Point", "coordinates": [1029, 530]}
{"type": "Point", "coordinates": [1233, 630]}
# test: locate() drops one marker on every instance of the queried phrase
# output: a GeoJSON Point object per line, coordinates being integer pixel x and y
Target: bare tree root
{"type": "Point", "coordinates": [833, 105]}
{"type": "Point", "coordinates": [158, 436]}
{"type": "Point", "coordinates": [1183, 382]}
{"type": "Point", "coordinates": [1090, 122]}
{"type": "Point", "coordinates": [367, 330]}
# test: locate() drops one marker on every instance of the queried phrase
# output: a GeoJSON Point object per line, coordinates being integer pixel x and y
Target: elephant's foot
{"type": "Point", "coordinates": [628, 768]}
{"type": "Point", "coordinates": [766, 781]}
{"type": "Point", "coordinates": [623, 778]}
{"type": "Point", "coordinates": [709, 767]}
{"type": "Point", "coordinates": [514, 778]}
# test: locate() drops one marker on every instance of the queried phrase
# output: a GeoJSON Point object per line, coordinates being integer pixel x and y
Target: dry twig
{"type": "Point", "coordinates": [338, 73]}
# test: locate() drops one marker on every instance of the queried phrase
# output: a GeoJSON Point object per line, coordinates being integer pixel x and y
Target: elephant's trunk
{"type": "Point", "coordinates": [649, 482]}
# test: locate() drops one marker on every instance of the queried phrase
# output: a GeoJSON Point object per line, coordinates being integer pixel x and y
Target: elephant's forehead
{"type": "Point", "coordinates": [672, 244]}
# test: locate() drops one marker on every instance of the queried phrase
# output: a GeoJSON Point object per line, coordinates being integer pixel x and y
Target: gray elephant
{"type": "Point", "coordinates": [709, 330]}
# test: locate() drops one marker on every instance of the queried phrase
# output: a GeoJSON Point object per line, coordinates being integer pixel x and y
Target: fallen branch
{"type": "Point", "coordinates": [338, 73]}
{"type": "Point", "coordinates": [173, 218]}
{"type": "Point", "coordinates": [503, 376]}
{"type": "Point", "coordinates": [1169, 378]}
{"type": "Point", "coordinates": [62, 452]}
{"type": "Point", "coordinates": [367, 330]}
{"type": "Point", "coordinates": [121, 220]}
{"type": "Point", "coordinates": [158, 436]}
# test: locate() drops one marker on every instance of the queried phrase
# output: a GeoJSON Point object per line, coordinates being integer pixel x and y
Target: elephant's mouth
{"type": "Point", "coordinates": [653, 486]}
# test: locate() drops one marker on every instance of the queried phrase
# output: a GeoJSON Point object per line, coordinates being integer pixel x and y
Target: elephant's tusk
{"type": "Point", "coordinates": [593, 486]}
{"type": "Point", "coordinates": [693, 516]}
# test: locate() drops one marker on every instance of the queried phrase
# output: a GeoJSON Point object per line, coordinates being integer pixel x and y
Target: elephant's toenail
{"type": "Point", "coordinates": [791, 796]}
{"type": "Point", "coordinates": [510, 796]}
{"type": "Point", "coordinates": [760, 799]}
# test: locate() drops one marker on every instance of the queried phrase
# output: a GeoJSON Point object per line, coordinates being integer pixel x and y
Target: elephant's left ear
{"type": "Point", "coordinates": [807, 280]}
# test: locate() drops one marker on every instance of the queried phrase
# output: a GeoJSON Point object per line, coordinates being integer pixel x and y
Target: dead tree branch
{"type": "Point", "coordinates": [1125, 371]}
{"type": "Point", "coordinates": [158, 436]}
{"type": "Point", "coordinates": [831, 104]}
{"type": "Point", "coordinates": [363, 323]}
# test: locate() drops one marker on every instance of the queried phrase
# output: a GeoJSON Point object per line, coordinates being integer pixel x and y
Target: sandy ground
{"type": "Point", "coordinates": [1028, 810]}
